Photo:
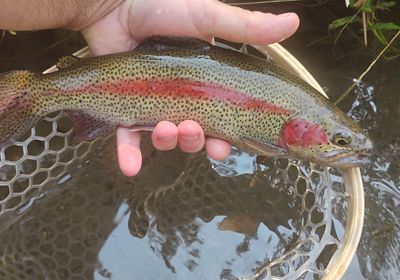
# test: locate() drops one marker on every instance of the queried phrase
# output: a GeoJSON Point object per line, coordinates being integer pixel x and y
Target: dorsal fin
{"type": "Point", "coordinates": [170, 42]}
{"type": "Point", "coordinates": [67, 61]}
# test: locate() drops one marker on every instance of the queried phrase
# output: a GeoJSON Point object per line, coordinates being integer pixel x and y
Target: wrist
{"type": "Point", "coordinates": [22, 15]}
{"type": "Point", "coordinates": [90, 11]}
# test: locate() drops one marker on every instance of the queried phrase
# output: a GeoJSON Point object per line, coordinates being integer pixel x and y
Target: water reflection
{"type": "Point", "coordinates": [186, 213]}
{"type": "Point", "coordinates": [379, 249]}
{"type": "Point", "coordinates": [180, 219]}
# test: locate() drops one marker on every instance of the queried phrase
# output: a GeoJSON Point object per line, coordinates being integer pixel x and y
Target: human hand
{"type": "Point", "coordinates": [131, 21]}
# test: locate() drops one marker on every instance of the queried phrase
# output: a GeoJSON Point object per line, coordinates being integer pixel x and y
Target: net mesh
{"type": "Point", "coordinates": [45, 157]}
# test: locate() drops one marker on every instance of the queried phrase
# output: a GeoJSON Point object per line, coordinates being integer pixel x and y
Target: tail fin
{"type": "Point", "coordinates": [16, 114]}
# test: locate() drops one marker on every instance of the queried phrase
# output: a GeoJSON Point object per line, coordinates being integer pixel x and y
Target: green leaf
{"type": "Point", "coordinates": [386, 26]}
{"type": "Point", "coordinates": [379, 35]}
{"type": "Point", "coordinates": [367, 7]}
{"type": "Point", "coordinates": [340, 22]}
{"type": "Point", "coordinates": [385, 5]}
{"type": "Point", "coordinates": [352, 3]}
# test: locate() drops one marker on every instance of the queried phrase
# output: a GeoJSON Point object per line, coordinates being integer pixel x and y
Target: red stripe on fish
{"type": "Point", "coordinates": [302, 133]}
{"type": "Point", "coordinates": [183, 89]}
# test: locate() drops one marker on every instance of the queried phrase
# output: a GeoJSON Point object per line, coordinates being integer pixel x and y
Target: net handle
{"type": "Point", "coordinates": [287, 61]}
{"type": "Point", "coordinates": [354, 225]}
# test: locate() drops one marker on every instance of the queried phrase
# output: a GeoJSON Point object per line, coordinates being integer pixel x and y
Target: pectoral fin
{"type": "Point", "coordinates": [263, 148]}
{"type": "Point", "coordinates": [87, 128]}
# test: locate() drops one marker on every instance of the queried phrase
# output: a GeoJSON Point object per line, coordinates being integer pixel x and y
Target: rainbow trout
{"type": "Point", "coordinates": [240, 98]}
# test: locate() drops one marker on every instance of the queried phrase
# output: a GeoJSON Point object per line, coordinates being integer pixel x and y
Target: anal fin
{"type": "Point", "coordinates": [88, 128]}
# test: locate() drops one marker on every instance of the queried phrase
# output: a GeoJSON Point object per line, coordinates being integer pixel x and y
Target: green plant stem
{"type": "Point", "coordinates": [344, 27]}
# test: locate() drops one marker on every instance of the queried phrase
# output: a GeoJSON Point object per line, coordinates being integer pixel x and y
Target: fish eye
{"type": "Point", "coordinates": [341, 139]}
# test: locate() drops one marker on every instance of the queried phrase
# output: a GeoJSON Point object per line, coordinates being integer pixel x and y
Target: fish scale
{"type": "Point", "coordinates": [236, 97]}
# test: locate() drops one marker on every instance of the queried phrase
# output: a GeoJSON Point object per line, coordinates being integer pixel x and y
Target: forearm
{"type": "Point", "coordinates": [45, 14]}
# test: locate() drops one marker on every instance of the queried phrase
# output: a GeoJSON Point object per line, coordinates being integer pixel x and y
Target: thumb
{"type": "Point", "coordinates": [243, 26]}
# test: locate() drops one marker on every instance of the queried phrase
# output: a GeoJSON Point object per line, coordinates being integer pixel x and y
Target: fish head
{"type": "Point", "coordinates": [326, 137]}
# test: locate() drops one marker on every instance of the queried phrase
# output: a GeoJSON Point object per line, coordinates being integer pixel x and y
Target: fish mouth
{"type": "Point", "coordinates": [352, 161]}
{"type": "Point", "coordinates": [344, 159]}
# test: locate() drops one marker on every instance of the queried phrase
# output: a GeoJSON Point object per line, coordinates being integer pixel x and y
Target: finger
{"type": "Point", "coordinates": [165, 136]}
{"type": "Point", "coordinates": [128, 150]}
{"type": "Point", "coordinates": [217, 149]}
{"type": "Point", "coordinates": [239, 25]}
{"type": "Point", "coordinates": [190, 136]}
